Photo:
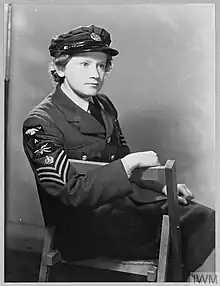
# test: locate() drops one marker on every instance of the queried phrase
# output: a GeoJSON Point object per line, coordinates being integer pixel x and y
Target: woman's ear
{"type": "Point", "coordinates": [60, 71]}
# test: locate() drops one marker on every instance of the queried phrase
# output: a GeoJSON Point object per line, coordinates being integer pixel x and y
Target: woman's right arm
{"type": "Point", "coordinates": [57, 176]}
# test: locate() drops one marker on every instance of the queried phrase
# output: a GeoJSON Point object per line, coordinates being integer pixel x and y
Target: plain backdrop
{"type": "Point", "coordinates": [162, 84]}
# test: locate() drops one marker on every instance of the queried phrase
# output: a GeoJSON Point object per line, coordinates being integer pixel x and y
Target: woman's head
{"type": "Point", "coordinates": [83, 73]}
{"type": "Point", "coordinates": [61, 61]}
{"type": "Point", "coordinates": [82, 57]}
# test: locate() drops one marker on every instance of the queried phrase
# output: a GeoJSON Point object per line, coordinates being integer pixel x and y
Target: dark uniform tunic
{"type": "Point", "coordinates": [102, 212]}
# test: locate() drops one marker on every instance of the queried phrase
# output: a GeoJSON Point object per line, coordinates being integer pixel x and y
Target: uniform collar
{"type": "Point", "coordinates": [75, 114]}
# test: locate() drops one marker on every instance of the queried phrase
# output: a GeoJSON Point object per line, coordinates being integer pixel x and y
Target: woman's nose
{"type": "Point", "coordinates": [94, 71]}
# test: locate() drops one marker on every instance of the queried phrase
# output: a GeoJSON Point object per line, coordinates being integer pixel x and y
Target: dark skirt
{"type": "Point", "coordinates": [126, 229]}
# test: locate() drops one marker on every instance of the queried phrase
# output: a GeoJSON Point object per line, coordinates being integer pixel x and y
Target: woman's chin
{"type": "Point", "coordinates": [89, 92]}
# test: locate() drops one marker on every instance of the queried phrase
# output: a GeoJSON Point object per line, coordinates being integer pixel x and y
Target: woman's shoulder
{"type": "Point", "coordinates": [41, 112]}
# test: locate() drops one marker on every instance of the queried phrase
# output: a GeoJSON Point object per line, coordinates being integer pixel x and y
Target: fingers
{"type": "Point", "coordinates": [148, 159]}
{"type": "Point", "coordinates": [185, 194]}
{"type": "Point", "coordinates": [157, 163]}
{"type": "Point", "coordinates": [182, 200]}
{"type": "Point", "coordinates": [184, 191]}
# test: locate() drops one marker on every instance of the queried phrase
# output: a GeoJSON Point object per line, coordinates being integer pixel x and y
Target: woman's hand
{"type": "Point", "coordinates": [140, 160]}
{"type": "Point", "coordinates": [184, 194]}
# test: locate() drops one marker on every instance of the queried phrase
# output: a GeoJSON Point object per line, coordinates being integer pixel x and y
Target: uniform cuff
{"type": "Point", "coordinates": [127, 168]}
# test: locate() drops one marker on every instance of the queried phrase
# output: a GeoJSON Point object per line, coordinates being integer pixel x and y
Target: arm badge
{"type": "Point", "coordinates": [32, 131]}
{"type": "Point", "coordinates": [43, 149]}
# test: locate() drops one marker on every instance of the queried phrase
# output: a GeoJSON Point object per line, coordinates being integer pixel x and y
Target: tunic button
{"type": "Point", "coordinates": [112, 157]}
{"type": "Point", "coordinates": [108, 140]}
{"type": "Point", "coordinates": [84, 157]}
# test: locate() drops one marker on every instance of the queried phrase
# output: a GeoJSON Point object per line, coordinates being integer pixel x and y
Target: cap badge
{"type": "Point", "coordinates": [95, 37]}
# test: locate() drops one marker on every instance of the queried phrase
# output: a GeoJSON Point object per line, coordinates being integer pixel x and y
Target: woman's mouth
{"type": "Point", "coordinates": [92, 83]}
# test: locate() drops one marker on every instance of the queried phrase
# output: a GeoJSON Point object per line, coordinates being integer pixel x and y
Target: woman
{"type": "Point", "coordinates": [99, 213]}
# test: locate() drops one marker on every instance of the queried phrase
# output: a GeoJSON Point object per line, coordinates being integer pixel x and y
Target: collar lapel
{"type": "Point", "coordinates": [88, 124]}
{"type": "Point", "coordinates": [108, 120]}
{"type": "Point", "coordinates": [76, 115]}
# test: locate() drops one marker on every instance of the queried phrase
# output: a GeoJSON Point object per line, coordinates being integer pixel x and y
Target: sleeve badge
{"type": "Point", "coordinates": [42, 150]}
{"type": "Point", "coordinates": [33, 130]}
{"type": "Point", "coordinates": [49, 160]}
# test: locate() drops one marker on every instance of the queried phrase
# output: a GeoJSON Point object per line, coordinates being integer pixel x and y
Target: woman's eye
{"type": "Point", "coordinates": [102, 66]}
{"type": "Point", "coordinates": [85, 64]}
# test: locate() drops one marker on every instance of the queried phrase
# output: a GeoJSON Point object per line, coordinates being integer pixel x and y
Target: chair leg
{"type": "Point", "coordinates": [164, 250]}
{"type": "Point", "coordinates": [48, 244]}
{"type": "Point", "coordinates": [44, 272]}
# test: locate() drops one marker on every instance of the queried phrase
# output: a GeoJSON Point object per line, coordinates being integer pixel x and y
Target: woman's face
{"type": "Point", "coordinates": [85, 73]}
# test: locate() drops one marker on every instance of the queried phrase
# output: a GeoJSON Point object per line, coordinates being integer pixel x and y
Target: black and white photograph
{"type": "Point", "coordinates": [110, 171]}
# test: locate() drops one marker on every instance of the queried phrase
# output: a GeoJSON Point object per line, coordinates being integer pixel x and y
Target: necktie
{"type": "Point", "coordinates": [95, 111]}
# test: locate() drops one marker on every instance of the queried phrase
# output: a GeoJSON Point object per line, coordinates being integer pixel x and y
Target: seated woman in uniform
{"type": "Point", "coordinates": [100, 213]}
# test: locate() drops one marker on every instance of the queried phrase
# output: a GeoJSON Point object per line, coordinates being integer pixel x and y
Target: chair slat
{"type": "Point", "coordinates": [174, 217]}
{"type": "Point", "coordinates": [140, 267]}
{"type": "Point", "coordinates": [152, 173]}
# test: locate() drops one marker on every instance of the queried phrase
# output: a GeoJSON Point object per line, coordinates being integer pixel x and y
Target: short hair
{"type": "Point", "coordinates": [62, 60]}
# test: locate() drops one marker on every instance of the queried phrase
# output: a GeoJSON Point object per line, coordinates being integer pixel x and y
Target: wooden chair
{"type": "Point", "coordinates": [154, 269]}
